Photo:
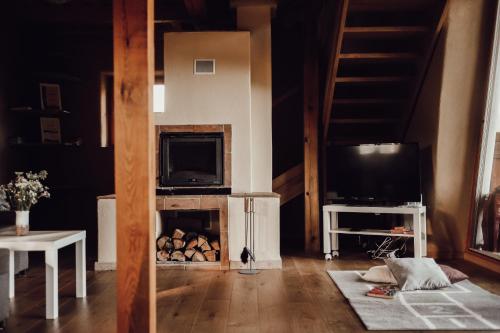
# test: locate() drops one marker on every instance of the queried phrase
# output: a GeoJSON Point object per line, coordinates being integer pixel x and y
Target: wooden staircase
{"type": "Point", "coordinates": [377, 62]}
{"type": "Point", "coordinates": [290, 184]}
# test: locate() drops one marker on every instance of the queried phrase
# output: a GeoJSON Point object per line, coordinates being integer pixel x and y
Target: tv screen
{"type": "Point", "coordinates": [375, 172]}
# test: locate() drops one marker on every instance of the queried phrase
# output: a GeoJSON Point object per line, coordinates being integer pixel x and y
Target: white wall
{"type": "Point", "coordinates": [223, 98]}
{"type": "Point", "coordinates": [447, 122]}
{"type": "Point", "coordinates": [257, 20]}
{"type": "Point", "coordinates": [267, 232]}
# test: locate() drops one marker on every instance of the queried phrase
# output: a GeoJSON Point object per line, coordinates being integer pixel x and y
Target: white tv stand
{"type": "Point", "coordinates": [331, 228]}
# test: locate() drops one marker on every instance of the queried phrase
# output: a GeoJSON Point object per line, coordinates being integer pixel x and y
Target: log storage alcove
{"type": "Point", "coordinates": [202, 252]}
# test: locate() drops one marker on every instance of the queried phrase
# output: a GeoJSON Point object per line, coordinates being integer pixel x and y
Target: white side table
{"type": "Point", "coordinates": [331, 228]}
{"type": "Point", "coordinates": [50, 242]}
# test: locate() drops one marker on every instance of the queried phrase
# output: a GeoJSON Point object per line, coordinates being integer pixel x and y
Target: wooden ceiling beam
{"type": "Point", "coordinates": [333, 64]}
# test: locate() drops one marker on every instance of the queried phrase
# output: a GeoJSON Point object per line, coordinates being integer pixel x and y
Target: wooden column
{"type": "Point", "coordinates": [134, 164]}
{"type": "Point", "coordinates": [311, 117]}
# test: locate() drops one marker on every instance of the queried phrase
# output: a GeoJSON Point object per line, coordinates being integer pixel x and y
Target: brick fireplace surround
{"type": "Point", "coordinates": [200, 202]}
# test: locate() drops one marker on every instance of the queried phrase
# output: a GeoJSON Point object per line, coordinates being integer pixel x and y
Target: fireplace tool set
{"type": "Point", "coordinates": [248, 253]}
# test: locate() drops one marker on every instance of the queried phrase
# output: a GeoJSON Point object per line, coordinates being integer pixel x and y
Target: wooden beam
{"type": "Point", "coordinates": [290, 184]}
{"type": "Point", "coordinates": [287, 176]}
{"type": "Point", "coordinates": [285, 96]}
{"type": "Point", "coordinates": [134, 164]}
{"type": "Point", "coordinates": [311, 136]}
{"type": "Point", "coordinates": [423, 68]}
{"type": "Point", "coordinates": [333, 64]}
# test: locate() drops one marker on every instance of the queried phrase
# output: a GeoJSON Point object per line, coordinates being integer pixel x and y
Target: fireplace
{"type": "Point", "coordinates": [191, 159]}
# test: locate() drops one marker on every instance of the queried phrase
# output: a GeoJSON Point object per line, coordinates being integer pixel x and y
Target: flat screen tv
{"type": "Point", "coordinates": [379, 173]}
{"type": "Point", "coordinates": [191, 159]}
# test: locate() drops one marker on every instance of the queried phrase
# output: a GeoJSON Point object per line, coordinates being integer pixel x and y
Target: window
{"type": "Point", "coordinates": [486, 224]}
{"type": "Point", "coordinates": [158, 98]}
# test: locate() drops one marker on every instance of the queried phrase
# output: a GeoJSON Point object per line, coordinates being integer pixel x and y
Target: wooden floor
{"type": "Point", "coordinates": [299, 298]}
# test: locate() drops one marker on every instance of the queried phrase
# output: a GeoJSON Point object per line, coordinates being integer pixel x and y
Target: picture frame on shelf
{"type": "Point", "coordinates": [50, 130]}
{"type": "Point", "coordinates": [50, 96]}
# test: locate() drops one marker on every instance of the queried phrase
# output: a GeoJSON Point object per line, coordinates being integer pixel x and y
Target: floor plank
{"type": "Point", "coordinates": [299, 298]}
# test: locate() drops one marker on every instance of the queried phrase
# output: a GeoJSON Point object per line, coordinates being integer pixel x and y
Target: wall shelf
{"type": "Point", "coordinates": [44, 145]}
{"type": "Point", "coordinates": [38, 112]}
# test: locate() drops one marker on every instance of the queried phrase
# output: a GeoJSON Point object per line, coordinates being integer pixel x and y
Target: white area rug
{"type": "Point", "coordinates": [464, 306]}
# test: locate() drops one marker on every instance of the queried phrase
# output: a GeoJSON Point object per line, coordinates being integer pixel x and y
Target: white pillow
{"type": "Point", "coordinates": [379, 274]}
{"type": "Point", "coordinates": [415, 274]}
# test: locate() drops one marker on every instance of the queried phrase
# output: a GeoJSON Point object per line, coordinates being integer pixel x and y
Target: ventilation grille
{"type": "Point", "coordinates": [204, 66]}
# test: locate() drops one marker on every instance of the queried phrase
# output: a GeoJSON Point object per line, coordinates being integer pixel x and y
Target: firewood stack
{"type": "Point", "coordinates": [184, 246]}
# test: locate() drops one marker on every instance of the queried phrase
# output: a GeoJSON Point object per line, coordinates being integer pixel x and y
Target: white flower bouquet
{"type": "Point", "coordinates": [25, 190]}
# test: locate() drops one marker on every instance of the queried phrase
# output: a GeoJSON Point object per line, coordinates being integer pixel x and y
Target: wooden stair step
{"type": "Point", "coordinates": [367, 101]}
{"type": "Point", "coordinates": [380, 56]}
{"type": "Point", "coordinates": [390, 5]}
{"type": "Point", "coordinates": [386, 31]}
{"type": "Point", "coordinates": [364, 120]}
{"type": "Point", "coordinates": [370, 79]}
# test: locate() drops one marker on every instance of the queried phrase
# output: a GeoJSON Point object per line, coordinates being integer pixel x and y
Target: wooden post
{"type": "Point", "coordinates": [311, 117]}
{"type": "Point", "coordinates": [134, 164]}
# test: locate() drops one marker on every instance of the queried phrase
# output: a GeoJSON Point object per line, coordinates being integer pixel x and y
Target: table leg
{"type": "Point", "coordinates": [417, 236]}
{"type": "Point", "coordinates": [327, 247]}
{"type": "Point", "coordinates": [81, 269]}
{"type": "Point", "coordinates": [12, 273]}
{"type": "Point", "coordinates": [335, 236]}
{"type": "Point", "coordinates": [424, 234]}
{"type": "Point", "coordinates": [51, 285]}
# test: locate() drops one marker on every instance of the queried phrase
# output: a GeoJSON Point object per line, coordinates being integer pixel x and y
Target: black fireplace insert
{"type": "Point", "coordinates": [191, 159]}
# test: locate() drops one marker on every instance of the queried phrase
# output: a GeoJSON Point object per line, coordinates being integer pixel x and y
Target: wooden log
{"type": "Point", "coordinates": [201, 240]}
{"type": "Point", "coordinates": [189, 253]}
{"type": "Point", "coordinates": [215, 245]}
{"type": "Point", "coordinates": [162, 255]}
{"type": "Point", "coordinates": [210, 255]}
{"type": "Point", "coordinates": [178, 243]}
{"type": "Point", "coordinates": [205, 247]}
{"type": "Point", "coordinates": [178, 233]}
{"type": "Point", "coordinates": [169, 245]}
{"type": "Point", "coordinates": [178, 256]}
{"type": "Point", "coordinates": [162, 242]}
{"type": "Point", "coordinates": [191, 235]}
{"type": "Point", "coordinates": [198, 257]}
{"type": "Point", "coordinates": [192, 244]}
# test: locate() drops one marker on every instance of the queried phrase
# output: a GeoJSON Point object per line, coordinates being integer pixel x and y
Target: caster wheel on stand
{"type": "Point", "coordinates": [328, 256]}
{"type": "Point", "coordinates": [335, 254]}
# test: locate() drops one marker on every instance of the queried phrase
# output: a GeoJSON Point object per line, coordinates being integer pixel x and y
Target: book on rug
{"type": "Point", "coordinates": [387, 292]}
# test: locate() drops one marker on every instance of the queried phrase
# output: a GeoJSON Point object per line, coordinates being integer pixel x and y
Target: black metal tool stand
{"type": "Point", "coordinates": [250, 235]}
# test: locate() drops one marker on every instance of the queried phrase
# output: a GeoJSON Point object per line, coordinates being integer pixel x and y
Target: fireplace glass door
{"type": "Point", "coordinates": [191, 159]}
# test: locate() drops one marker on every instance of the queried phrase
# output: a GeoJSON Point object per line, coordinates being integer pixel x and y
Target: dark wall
{"type": "Point", "coordinates": [6, 37]}
{"type": "Point", "coordinates": [73, 57]}
{"type": "Point", "coordinates": [288, 116]}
